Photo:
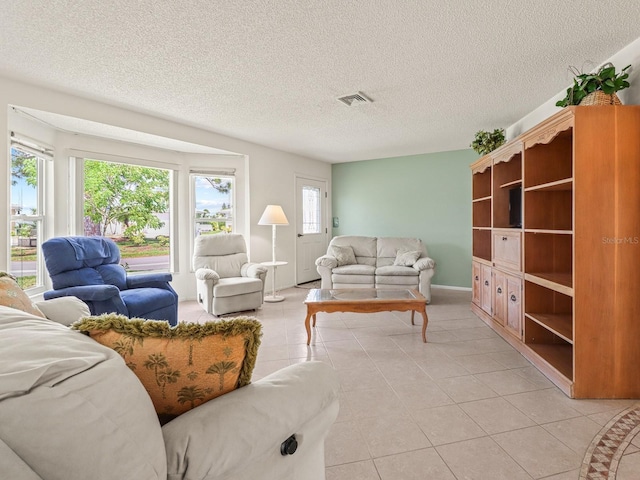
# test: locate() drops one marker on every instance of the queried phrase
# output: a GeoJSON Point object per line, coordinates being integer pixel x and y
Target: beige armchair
{"type": "Point", "coordinates": [226, 281]}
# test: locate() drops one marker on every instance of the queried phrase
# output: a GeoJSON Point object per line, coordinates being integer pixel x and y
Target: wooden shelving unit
{"type": "Point", "coordinates": [507, 174]}
{"type": "Point", "coordinates": [579, 172]}
{"type": "Point", "coordinates": [481, 211]}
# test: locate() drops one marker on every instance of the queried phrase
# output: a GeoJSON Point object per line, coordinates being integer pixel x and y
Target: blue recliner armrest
{"type": "Point", "coordinates": [86, 293]}
{"type": "Point", "coordinates": [99, 298]}
{"type": "Point", "coordinates": [158, 280]}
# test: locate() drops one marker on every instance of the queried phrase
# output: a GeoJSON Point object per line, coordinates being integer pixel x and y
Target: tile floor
{"type": "Point", "coordinates": [465, 405]}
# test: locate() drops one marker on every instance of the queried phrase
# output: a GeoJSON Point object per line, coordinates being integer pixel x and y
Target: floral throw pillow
{"type": "Point", "coordinates": [11, 295]}
{"type": "Point", "coordinates": [184, 366]}
{"type": "Point", "coordinates": [407, 259]}
{"type": "Point", "coordinates": [344, 255]}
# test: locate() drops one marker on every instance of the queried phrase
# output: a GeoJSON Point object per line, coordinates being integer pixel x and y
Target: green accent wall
{"type": "Point", "coordinates": [426, 196]}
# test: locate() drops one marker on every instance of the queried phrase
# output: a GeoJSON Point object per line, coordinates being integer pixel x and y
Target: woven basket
{"type": "Point", "coordinates": [600, 98]}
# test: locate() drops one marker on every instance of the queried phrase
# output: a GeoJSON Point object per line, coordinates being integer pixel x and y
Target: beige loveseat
{"type": "Point", "coordinates": [376, 262]}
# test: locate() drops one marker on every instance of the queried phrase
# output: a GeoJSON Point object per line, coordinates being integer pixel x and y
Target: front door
{"type": "Point", "coordinates": [311, 225]}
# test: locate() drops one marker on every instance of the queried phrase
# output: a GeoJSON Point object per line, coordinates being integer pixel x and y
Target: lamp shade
{"type": "Point", "coordinates": [273, 215]}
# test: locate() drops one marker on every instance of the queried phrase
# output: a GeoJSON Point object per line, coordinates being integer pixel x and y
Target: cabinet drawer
{"type": "Point", "coordinates": [487, 288]}
{"type": "Point", "coordinates": [499, 297]}
{"type": "Point", "coordinates": [514, 306]}
{"type": "Point", "coordinates": [507, 252]}
{"type": "Point", "coordinates": [476, 283]}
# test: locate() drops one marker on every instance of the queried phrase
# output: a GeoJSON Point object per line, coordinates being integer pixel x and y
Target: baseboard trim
{"type": "Point", "coordinates": [450, 287]}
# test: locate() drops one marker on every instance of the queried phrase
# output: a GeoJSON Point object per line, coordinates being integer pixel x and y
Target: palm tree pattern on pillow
{"type": "Point", "coordinates": [184, 366]}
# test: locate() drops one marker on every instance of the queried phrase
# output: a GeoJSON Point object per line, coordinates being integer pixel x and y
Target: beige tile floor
{"type": "Point", "coordinates": [465, 405]}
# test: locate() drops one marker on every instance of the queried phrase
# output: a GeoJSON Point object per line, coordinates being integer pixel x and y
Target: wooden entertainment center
{"type": "Point", "coordinates": [563, 287]}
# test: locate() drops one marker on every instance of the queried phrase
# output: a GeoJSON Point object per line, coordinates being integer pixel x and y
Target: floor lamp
{"type": "Point", "coordinates": [273, 215]}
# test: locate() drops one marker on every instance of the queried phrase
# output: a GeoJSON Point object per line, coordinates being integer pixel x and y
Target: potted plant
{"type": "Point", "coordinates": [486, 142]}
{"type": "Point", "coordinates": [597, 88]}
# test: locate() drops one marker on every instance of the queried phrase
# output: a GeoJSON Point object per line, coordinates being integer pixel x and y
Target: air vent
{"type": "Point", "coordinates": [355, 99]}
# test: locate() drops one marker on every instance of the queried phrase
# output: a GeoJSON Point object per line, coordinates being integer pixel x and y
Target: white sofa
{"type": "Point", "coordinates": [377, 262]}
{"type": "Point", "coordinates": [70, 409]}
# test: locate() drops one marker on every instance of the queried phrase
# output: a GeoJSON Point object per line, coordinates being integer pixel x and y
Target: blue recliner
{"type": "Point", "coordinates": [89, 268]}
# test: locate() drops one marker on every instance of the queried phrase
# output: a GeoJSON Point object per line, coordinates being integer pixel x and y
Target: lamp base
{"type": "Point", "coordinates": [273, 298]}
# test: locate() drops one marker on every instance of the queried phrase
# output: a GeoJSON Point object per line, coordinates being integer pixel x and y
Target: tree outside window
{"type": "Point", "coordinates": [129, 204]}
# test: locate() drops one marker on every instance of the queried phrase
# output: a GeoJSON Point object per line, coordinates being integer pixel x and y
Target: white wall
{"type": "Point", "coordinates": [629, 55]}
{"type": "Point", "coordinates": [263, 175]}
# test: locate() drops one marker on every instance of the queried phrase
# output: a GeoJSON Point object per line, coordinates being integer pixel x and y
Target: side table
{"type": "Point", "coordinates": [273, 297]}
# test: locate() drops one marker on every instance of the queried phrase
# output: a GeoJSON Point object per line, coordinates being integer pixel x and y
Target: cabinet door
{"type": "Point", "coordinates": [476, 283]}
{"type": "Point", "coordinates": [514, 306]}
{"type": "Point", "coordinates": [487, 289]}
{"type": "Point", "coordinates": [499, 297]}
{"type": "Point", "coordinates": [506, 250]}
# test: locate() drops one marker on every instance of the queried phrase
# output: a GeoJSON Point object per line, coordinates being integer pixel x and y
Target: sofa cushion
{"type": "Point", "coordinates": [364, 248]}
{"type": "Point", "coordinates": [396, 271]}
{"type": "Point", "coordinates": [343, 255]}
{"type": "Point", "coordinates": [396, 280]}
{"type": "Point", "coordinates": [225, 253]}
{"type": "Point", "coordinates": [184, 366]}
{"type": "Point", "coordinates": [353, 279]}
{"type": "Point", "coordinates": [70, 408]}
{"type": "Point", "coordinates": [407, 259]}
{"type": "Point", "coordinates": [64, 310]}
{"type": "Point", "coordinates": [11, 295]}
{"type": "Point", "coordinates": [388, 248]}
{"type": "Point", "coordinates": [230, 287]}
{"type": "Point", "coordinates": [138, 300]}
{"type": "Point", "coordinates": [356, 269]}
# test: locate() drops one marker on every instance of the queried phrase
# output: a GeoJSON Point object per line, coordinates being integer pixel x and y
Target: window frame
{"type": "Point", "coordinates": [217, 173]}
{"type": "Point", "coordinates": [78, 157]}
{"type": "Point", "coordinates": [42, 154]}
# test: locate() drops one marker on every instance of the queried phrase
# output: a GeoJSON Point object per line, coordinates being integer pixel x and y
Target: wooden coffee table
{"type": "Point", "coordinates": [365, 300]}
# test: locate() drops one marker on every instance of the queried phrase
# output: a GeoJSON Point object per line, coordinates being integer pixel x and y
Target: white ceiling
{"type": "Point", "coordinates": [269, 71]}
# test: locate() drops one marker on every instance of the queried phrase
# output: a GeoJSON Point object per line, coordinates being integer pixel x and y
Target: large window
{"type": "Point", "coordinates": [131, 205]}
{"type": "Point", "coordinates": [213, 203]}
{"type": "Point", "coordinates": [27, 213]}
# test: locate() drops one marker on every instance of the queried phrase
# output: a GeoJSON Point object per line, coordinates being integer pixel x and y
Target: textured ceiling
{"type": "Point", "coordinates": [269, 71]}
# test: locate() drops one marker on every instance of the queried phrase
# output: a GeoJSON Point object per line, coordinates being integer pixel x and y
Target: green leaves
{"type": "Point", "coordinates": [127, 194]}
{"type": "Point", "coordinates": [604, 79]}
{"type": "Point", "coordinates": [486, 142]}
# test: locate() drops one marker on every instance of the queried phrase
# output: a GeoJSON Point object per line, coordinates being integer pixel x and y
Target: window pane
{"type": "Point", "coordinates": [26, 219]}
{"type": "Point", "coordinates": [310, 210]}
{"type": "Point", "coordinates": [25, 239]}
{"type": "Point", "coordinates": [213, 209]}
{"type": "Point", "coordinates": [24, 183]}
{"type": "Point", "coordinates": [129, 204]}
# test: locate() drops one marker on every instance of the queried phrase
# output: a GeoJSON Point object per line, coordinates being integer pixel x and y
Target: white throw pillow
{"type": "Point", "coordinates": [407, 259]}
{"type": "Point", "coordinates": [64, 310]}
{"type": "Point", "coordinates": [344, 255]}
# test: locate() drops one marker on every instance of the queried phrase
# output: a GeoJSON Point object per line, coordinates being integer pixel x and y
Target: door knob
{"type": "Point", "coordinates": [300, 235]}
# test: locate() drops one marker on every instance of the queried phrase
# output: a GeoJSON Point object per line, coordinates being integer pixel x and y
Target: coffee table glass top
{"type": "Point", "coordinates": [371, 294]}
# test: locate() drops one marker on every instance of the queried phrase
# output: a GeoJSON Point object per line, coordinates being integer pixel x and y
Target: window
{"type": "Point", "coordinates": [310, 210]}
{"type": "Point", "coordinates": [131, 205]}
{"type": "Point", "coordinates": [27, 213]}
{"type": "Point", "coordinates": [213, 203]}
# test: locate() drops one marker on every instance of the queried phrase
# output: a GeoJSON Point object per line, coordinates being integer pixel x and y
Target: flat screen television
{"type": "Point", "coordinates": [515, 207]}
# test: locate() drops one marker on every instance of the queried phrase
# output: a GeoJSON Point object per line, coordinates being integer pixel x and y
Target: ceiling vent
{"type": "Point", "coordinates": [354, 99]}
